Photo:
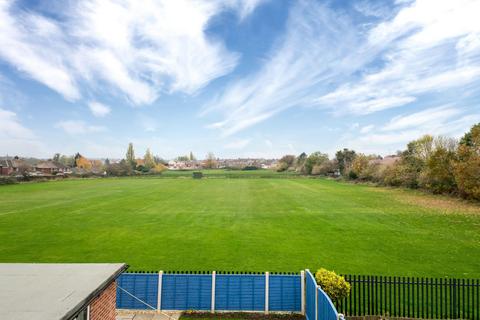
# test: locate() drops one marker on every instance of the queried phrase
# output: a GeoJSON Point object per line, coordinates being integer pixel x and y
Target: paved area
{"type": "Point", "coordinates": [146, 315]}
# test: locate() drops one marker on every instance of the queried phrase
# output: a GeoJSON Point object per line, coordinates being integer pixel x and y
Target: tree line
{"type": "Point", "coordinates": [435, 163]}
{"type": "Point", "coordinates": [130, 165]}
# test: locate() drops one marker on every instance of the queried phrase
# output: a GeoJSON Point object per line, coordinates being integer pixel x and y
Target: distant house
{"type": "Point", "coordinates": [8, 167]}
{"type": "Point", "coordinates": [184, 165]}
{"type": "Point", "coordinates": [50, 167]}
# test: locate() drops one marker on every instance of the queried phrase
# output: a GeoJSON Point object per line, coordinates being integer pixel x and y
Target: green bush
{"type": "Point", "coordinates": [352, 175]}
{"type": "Point", "coordinates": [334, 285]}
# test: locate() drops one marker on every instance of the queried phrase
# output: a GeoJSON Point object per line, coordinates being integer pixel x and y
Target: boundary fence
{"type": "Point", "coordinates": [211, 291]}
{"type": "Point", "coordinates": [404, 297]}
{"type": "Point", "coordinates": [408, 297]}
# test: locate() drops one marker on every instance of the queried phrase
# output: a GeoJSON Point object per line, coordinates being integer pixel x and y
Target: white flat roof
{"type": "Point", "coordinates": [51, 291]}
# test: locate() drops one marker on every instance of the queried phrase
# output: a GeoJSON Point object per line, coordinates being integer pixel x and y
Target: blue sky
{"type": "Point", "coordinates": [240, 78]}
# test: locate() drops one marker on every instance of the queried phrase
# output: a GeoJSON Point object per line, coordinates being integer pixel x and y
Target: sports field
{"type": "Point", "coordinates": [243, 224]}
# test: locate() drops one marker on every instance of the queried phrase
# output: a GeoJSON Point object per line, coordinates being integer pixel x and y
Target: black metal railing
{"type": "Point", "coordinates": [427, 298]}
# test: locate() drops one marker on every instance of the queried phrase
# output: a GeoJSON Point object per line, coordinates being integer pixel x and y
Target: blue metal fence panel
{"type": "Point", "coordinates": [326, 309]}
{"type": "Point", "coordinates": [310, 288]}
{"type": "Point", "coordinates": [186, 291]}
{"type": "Point", "coordinates": [284, 293]}
{"type": "Point", "coordinates": [240, 292]}
{"type": "Point", "coordinates": [144, 286]}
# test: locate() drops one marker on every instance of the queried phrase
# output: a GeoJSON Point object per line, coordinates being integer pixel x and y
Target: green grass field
{"type": "Point", "coordinates": [240, 224]}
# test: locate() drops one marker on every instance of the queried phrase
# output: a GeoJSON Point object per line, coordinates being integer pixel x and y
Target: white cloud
{"type": "Point", "coordinates": [99, 109]}
{"type": "Point", "coordinates": [16, 138]}
{"type": "Point", "coordinates": [367, 129]}
{"type": "Point", "coordinates": [136, 49]}
{"type": "Point", "coordinates": [427, 117]}
{"type": "Point", "coordinates": [34, 45]}
{"type": "Point", "coordinates": [244, 7]}
{"type": "Point", "coordinates": [426, 48]}
{"type": "Point", "coordinates": [237, 144]}
{"type": "Point", "coordinates": [394, 135]}
{"type": "Point", "coordinates": [78, 127]}
{"type": "Point", "coordinates": [315, 39]}
{"type": "Point", "coordinates": [148, 124]}
{"type": "Point", "coordinates": [11, 128]}
{"type": "Point", "coordinates": [325, 60]}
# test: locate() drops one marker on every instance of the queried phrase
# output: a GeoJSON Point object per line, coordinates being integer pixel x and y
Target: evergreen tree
{"type": "Point", "coordinates": [192, 157]}
{"type": "Point", "coordinates": [130, 156]}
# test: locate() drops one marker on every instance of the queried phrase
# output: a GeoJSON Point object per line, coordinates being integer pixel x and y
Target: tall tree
{"type": "Point", "coordinates": [438, 175]}
{"type": "Point", "coordinates": [56, 157]}
{"type": "Point", "coordinates": [68, 161]}
{"type": "Point", "coordinates": [210, 161]}
{"type": "Point", "coordinates": [130, 156]}
{"type": "Point", "coordinates": [344, 159]}
{"type": "Point", "coordinates": [192, 157]}
{"type": "Point", "coordinates": [315, 159]}
{"type": "Point", "coordinates": [300, 162]}
{"type": "Point", "coordinates": [467, 166]}
{"type": "Point", "coordinates": [149, 161]}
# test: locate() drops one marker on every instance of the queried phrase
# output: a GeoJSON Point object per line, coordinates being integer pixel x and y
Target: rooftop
{"type": "Point", "coordinates": [51, 291]}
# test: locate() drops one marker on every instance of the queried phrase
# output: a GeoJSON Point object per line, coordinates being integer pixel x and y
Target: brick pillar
{"type": "Point", "coordinates": [103, 307]}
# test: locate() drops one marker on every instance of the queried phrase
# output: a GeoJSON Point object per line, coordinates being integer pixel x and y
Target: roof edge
{"type": "Point", "coordinates": [70, 315]}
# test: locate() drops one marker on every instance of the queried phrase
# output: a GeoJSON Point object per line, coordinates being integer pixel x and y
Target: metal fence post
{"type": "Point", "coordinates": [267, 275]}
{"type": "Point", "coordinates": [302, 289]}
{"type": "Point", "coordinates": [212, 309]}
{"type": "Point", "coordinates": [454, 300]}
{"type": "Point", "coordinates": [159, 294]}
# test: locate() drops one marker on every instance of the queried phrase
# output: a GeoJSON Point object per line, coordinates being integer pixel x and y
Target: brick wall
{"type": "Point", "coordinates": [103, 307]}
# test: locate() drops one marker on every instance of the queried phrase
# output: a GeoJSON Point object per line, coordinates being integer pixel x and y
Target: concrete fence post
{"type": "Point", "coordinates": [214, 274]}
{"type": "Point", "coordinates": [302, 289]}
{"type": "Point", "coordinates": [159, 295]}
{"type": "Point", "coordinates": [267, 276]}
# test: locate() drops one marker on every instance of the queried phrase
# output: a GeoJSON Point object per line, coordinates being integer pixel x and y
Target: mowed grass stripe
{"type": "Point", "coordinates": [236, 224]}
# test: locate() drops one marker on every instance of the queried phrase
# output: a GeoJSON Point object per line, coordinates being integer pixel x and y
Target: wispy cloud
{"type": "Point", "coordinates": [237, 144]}
{"type": "Point", "coordinates": [421, 53]}
{"type": "Point", "coordinates": [427, 117]}
{"type": "Point", "coordinates": [329, 61]}
{"type": "Point", "coordinates": [443, 120]}
{"type": "Point", "coordinates": [244, 7]}
{"type": "Point", "coordinates": [137, 49]}
{"type": "Point", "coordinates": [34, 45]}
{"type": "Point", "coordinates": [367, 128]}
{"type": "Point", "coordinates": [10, 127]}
{"type": "Point", "coordinates": [148, 124]}
{"type": "Point", "coordinates": [16, 138]}
{"type": "Point", "coordinates": [316, 37]}
{"type": "Point", "coordinates": [78, 127]}
{"type": "Point", "coordinates": [99, 109]}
